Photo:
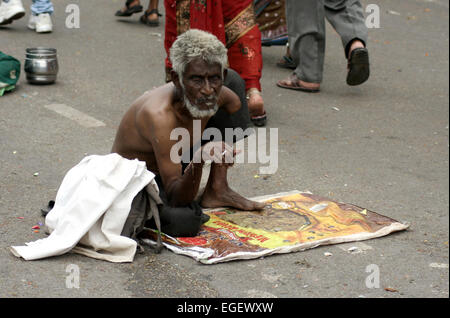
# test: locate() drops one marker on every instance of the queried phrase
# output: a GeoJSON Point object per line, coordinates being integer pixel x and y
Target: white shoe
{"type": "Point", "coordinates": [10, 11]}
{"type": "Point", "coordinates": [42, 23]}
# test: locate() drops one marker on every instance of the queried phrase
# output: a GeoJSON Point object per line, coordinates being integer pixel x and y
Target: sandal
{"type": "Point", "coordinates": [287, 62]}
{"type": "Point", "coordinates": [130, 10]}
{"type": "Point", "coordinates": [260, 120]}
{"type": "Point", "coordinates": [153, 23]}
{"type": "Point", "coordinates": [293, 82]}
{"type": "Point", "coordinates": [358, 67]}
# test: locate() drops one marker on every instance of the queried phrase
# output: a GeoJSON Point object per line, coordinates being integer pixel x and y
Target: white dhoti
{"type": "Point", "coordinates": [91, 208]}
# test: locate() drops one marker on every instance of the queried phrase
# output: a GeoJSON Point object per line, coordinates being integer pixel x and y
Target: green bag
{"type": "Point", "coordinates": [9, 73]}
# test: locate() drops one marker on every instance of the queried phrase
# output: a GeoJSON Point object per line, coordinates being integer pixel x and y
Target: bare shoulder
{"type": "Point", "coordinates": [153, 111]}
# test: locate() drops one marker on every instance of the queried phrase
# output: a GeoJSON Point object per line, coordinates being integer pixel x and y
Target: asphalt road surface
{"type": "Point", "coordinates": [382, 145]}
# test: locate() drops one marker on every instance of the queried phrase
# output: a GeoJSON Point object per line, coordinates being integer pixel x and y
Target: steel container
{"type": "Point", "coordinates": [41, 65]}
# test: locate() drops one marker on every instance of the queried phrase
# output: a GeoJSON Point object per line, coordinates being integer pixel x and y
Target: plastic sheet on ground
{"type": "Point", "coordinates": [291, 222]}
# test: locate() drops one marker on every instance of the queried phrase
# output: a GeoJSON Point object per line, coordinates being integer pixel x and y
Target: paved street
{"type": "Point", "coordinates": [383, 146]}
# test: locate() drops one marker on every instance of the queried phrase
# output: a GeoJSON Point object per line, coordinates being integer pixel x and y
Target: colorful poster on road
{"type": "Point", "coordinates": [290, 222]}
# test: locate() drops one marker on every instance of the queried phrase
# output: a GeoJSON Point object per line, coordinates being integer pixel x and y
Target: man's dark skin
{"type": "Point", "coordinates": [144, 134]}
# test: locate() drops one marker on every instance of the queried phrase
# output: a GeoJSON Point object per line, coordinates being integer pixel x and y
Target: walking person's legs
{"type": "Point", "coordinates": [150, 16]}
{"type": "Point", "coordinates": [306, 29]}
{"type": "Point", "coordinates": [40, 18]}
{"type": "Point", "coordinates": [347, 18]}
{"type": "Point", "coordinates": [41, 6]}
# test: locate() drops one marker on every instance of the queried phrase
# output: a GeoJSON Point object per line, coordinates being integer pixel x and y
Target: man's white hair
{"type": "Point", "coordinates": [197, 44]}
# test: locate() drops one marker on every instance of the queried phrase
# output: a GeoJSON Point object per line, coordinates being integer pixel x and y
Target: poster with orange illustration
{"type": "Point", "coordinates": [290, 222]}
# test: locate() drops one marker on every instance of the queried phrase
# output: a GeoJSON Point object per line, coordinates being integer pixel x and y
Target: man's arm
{"type": "Point", "coordinates": [180, 188]}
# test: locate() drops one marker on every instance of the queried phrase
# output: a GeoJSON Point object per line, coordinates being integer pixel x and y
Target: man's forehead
{"type": "Point", "coordinates": [200, 65]}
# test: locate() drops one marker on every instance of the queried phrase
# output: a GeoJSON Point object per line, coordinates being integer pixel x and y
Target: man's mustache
{"type": "Point", "coordinates": [207, 100]}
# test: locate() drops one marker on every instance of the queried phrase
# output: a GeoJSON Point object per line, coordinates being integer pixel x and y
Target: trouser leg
{"type": "Point", "coordinates": [306, 30]}
{"type": "Point", "coordinates": [347, 18]}
{"type": "Point", "coordinates": [41, 6]}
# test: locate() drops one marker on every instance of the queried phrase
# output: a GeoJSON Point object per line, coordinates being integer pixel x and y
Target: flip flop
{"type": "Point", "coordinates": [153, 23]}
{"type": "Point", "coordinates": [296, 85]}
{"type": "Point", "coordinates": [48, 208]}
{"type": "Point", "coordinates": [287, 62]}
{"type": "Point", "coordinates": [358, 67]}
{"type": "Point", "coordinates": [260, 120]}
{"type": "Point", "coordinates": [129, 11]}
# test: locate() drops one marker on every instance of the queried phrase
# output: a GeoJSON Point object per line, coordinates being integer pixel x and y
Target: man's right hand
{"type": "Point", "coordinates": [218, 152]}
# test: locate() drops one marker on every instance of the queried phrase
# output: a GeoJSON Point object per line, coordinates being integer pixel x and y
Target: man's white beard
{"type": "Point", "coordinates": [199, 113]}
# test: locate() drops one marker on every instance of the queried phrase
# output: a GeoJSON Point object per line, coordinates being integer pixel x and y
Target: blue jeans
{"type": "Point", "coordinates": [40, 6]}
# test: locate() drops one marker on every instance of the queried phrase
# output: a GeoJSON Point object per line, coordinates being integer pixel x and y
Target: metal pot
{"type": "Point", "coordinates": [41, 65]}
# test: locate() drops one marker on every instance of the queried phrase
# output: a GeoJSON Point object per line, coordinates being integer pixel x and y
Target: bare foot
{"type": "Point", "coordinates": [256, 107]}
{"type": "Point", "coordinates": [229, 198]}
{"type": "Point", "coordinates": [255, 102]}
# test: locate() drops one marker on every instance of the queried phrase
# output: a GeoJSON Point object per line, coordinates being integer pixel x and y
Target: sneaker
{"type": "Point", "coordinates": [10, 11]}
{"type": "Point", "coordinates": [42, 23]}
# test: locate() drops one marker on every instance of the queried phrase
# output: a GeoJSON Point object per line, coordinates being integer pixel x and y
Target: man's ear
{"type": "Point", "coordinates": [174, 76]}
{"type": "Point", "coordinates": [225, 73]}
{"type": "Point", "coordinates": [176, 80]}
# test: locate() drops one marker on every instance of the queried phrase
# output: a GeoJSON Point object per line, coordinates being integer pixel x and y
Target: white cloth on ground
{"type": "Point", "coordinates": [91, 208]}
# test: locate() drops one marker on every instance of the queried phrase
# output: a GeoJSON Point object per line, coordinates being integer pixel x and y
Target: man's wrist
{"type": "Point", "coordinates": [194, 166]}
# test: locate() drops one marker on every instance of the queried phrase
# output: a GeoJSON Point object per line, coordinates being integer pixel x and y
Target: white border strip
{"type": "Point", "coordinates": [75, 115]}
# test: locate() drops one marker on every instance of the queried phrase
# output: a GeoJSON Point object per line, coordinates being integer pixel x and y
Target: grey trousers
{"type": "Point", "coordinates": [306, 29]}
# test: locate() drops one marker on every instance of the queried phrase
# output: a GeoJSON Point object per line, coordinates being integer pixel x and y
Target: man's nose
{"type": "Point", "coordinates": [207, 89]}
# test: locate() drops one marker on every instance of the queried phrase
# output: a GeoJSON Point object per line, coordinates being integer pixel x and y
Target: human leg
{"type": "Point", "coordinates": [218, 194]}
{"type": "Point", "coordinates": [41, 6]}
{"type": "Point", "coordinates": [245, 52]}
{"type": "Point", "coordinates": [347, 18]}
{"type": "Point", "coordinates": [245, 57]}
{"type": "Point", "coordinates": [40, 18]}
{"type": "Point", "coordinates": [151, 15]}
{"type": "Point", "coordinates": [131, 7]}
{"type": "Point", "coordinates": [178, 221]}
{"type": "Point", "coordinates": [286, 61]}
{"type": "Point", "coordinates": [174, 221]}
{"type": "Point", "coordinates": [306, 29]}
